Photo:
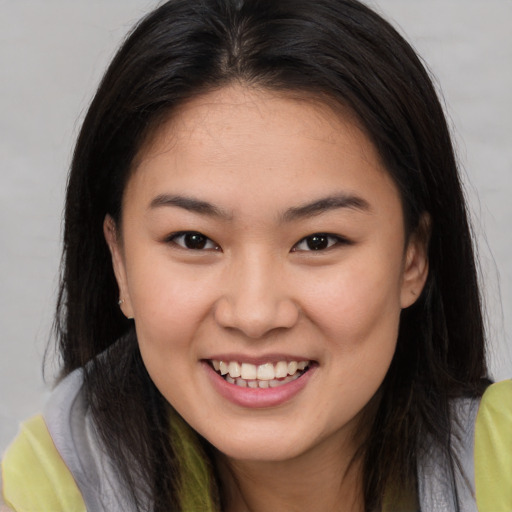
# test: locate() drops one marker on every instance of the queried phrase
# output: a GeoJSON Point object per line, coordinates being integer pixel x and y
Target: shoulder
{"type": "Point", "coordinates": [59, 459]}
{"type": "Point", "coordinates": [493, 449]}
{"type": "Point", "coordinates": [493, 428]}
{"type": "Point", "coordinates": [498, 397]}
{"type": "Point", "coordinates": [482, 442]}
{"type": "Point", "coordinates": [3, 505]}
{"type": "Point", "coordinates": [35, 475]}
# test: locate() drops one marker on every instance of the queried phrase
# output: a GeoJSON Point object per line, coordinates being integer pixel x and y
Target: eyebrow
{"type": "Point", "coordinates": [311, 209]}
{"type": "Point", "coordinates": [326, 204]}
{"type": "Point", "coordinates": [191, 204]}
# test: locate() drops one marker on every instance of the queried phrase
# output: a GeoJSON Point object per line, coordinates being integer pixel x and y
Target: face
{"type": "Point", "coordinates": [262, 239]}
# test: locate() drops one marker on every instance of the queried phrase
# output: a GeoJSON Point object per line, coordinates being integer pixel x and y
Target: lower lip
{"type": "Point", "coordinates": [256, 398]}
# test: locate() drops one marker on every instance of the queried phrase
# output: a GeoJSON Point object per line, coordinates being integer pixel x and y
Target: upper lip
{"type": "Point", "coordinates": [257, 360]}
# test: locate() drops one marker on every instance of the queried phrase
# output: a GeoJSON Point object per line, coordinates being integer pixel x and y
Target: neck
{"type": "Point", "coordinates": [324, 480]}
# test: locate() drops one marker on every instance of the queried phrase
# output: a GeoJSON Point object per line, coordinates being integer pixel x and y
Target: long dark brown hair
{"type": "Point", "coordinates": [341, 51]}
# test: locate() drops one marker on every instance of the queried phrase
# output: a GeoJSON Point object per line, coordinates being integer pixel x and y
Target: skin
{"type": "Point", "coordinates": [257, 290]}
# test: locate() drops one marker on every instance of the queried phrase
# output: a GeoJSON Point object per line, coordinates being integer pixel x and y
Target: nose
{"type": "Point", "coordinates": [256, 298]}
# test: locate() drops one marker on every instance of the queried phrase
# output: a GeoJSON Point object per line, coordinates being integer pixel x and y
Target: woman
{"type": "Point", "coordinates": [269, 297]}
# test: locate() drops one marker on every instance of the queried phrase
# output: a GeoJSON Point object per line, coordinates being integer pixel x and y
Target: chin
{"type": "Point", "coordinates": [269, 446]}
{"type": "Point", "coordinates": [260, 451]}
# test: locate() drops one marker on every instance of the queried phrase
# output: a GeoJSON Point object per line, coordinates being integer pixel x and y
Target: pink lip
{"type": "Point", "coordinates": [257, 398]}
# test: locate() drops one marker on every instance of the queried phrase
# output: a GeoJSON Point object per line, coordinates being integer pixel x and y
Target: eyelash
{"type": "Point", "coordinates": [202, 239]}
{"type": "Point", "coordinates": [320, 238]}
{"type": "Point", "coordinates": [323, 241]}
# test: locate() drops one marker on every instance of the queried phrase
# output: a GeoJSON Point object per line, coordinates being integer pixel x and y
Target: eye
{"type": "Point", "coordinates": [193, 240]}
{"type": "Point", "coordinates": [318, 242]}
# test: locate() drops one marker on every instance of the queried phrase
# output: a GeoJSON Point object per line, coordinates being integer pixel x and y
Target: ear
{"type": "Point", "coordinates": [415, 271]}
{"type": "Point", "coordinates": [111, 234]}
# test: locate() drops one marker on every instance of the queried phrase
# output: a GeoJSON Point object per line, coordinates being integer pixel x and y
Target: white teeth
{"type": "Point", "coordinates": [234, 369]}
{"type": "Point", "coordinates": [276, 383]}
{"type": "Point", "coordinates": [292, 367]}
{"type": "Point", "coordinates": [249, 371]}
{"type": "Point", "coordinates": [281, 369]}
{"type": "Point", "coordinates": [262, 376]}
{"type": "Point", "coordinates": [223, 368]}
{"type": "Point", "coordinates": [266, 371]}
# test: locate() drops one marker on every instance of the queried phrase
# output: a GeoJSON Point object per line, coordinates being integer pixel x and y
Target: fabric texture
{"type": "Point", "coordinates": [35, 473]}
{"type": "Point", "coordinates": [61, 455]}
{"type": "Point", "coordinates": [443, 488]}
{"type": "Point", "coordinates": [71, 427]}
{"type": "Point", "coordinates": [57, 462]}
{"type": "Point", "coordinates": [493, 449]}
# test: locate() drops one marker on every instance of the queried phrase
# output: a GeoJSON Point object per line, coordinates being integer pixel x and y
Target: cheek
{"type": "Point", "coordinates": [358, 313]}
{"type": "Point", "coordinates": [358, 302]}
{"type": "Point", "coordinates": [169, 301]}
{"type": "Point", "coordinates": [171, 307]}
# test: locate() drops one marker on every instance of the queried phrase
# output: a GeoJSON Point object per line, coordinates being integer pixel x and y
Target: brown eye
{"type": "Point", "coordinates": [319, 242]}
{"type": "Point", "coordinates": [193, 240]}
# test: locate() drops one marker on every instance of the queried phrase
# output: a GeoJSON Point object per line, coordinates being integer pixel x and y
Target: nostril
{"type": "Point", "coordinates": [256, 318]}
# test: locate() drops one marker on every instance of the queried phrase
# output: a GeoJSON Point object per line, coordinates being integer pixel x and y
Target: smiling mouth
{"type": "Point", "coordinates": [261, 376]}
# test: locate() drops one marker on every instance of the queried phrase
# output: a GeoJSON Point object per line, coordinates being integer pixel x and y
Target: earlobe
{"type": "Point", "coordinates": [416, 263]}
{"type": "Point", "coordinates": [111, 234]}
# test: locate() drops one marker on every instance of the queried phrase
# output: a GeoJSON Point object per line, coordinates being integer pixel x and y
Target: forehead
{"type": "Point", "coordinates": [237, 112]}
{"type": "Point", "coordinates": [237, 139]}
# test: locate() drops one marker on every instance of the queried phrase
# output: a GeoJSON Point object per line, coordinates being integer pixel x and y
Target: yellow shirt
{"type": "Point", "coordinates": [35, 477]}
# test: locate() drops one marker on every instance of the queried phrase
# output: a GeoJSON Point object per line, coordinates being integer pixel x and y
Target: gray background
{"type": "Point", "coordinates": [52, 54]}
